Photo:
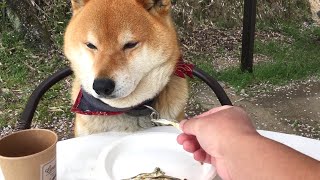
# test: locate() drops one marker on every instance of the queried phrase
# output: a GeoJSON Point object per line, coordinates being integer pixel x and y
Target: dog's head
{"type": "Point", "coordinates": [122, 51]}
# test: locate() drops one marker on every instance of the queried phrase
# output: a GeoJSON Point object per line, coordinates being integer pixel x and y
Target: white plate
{"type": "Point", "coordinates": [143, 152]}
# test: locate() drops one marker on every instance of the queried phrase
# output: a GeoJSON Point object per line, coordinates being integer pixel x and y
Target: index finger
{"type": "Point", "coordinates": [191, 126]}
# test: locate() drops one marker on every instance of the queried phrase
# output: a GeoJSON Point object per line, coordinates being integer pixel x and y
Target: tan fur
{"type": "Point", "coordinates": [140, 73]}
{"type": "Point", "coordinates": [315, 9]}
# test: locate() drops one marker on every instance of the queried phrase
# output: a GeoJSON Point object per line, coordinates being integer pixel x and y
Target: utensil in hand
{"type": "Point", "coordinates": [155, 117]}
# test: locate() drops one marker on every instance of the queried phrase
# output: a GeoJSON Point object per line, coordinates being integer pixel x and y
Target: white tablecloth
{"type": "Point", "coordinates": [76, 158]}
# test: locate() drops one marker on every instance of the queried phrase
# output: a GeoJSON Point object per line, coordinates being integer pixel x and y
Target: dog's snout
{"type": "Point", "coordinates": [103, 87]}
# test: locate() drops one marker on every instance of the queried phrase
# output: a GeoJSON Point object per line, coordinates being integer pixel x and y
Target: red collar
{"type": "Point", "coordinates": [88, 105]}
{"type": "Point", "coordinates": [183, 69]}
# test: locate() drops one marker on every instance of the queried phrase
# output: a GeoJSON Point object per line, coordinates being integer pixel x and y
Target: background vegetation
{"type": "Point", "coordinates": [27, 58]}
{"type": "Point", "coordinates": [228, 13]}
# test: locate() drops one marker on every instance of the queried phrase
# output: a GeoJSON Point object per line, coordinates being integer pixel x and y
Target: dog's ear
{"type": "Point", "coordinates": [78, 4]}
{"type": "Point", "coordinates": [156, 6]}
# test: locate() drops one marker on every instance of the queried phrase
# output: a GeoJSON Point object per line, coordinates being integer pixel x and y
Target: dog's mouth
{"type": "Point", "coordinates": [87, 104]}
{"type": "Point", "coordinates": [107, 97]}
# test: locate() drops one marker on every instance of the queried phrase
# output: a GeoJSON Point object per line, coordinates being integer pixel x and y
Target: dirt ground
{"type": "Point", "coordinates": [292, 109]}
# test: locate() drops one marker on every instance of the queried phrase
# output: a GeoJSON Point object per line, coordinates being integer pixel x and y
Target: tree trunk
{"type": "Point", "coordinates": [34, 33]}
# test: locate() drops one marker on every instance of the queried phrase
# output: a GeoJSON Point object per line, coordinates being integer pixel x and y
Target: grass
{"type": "Point", "coordinates": [290, 61]}
{"type": "Point", "coordinates": [22, 70]}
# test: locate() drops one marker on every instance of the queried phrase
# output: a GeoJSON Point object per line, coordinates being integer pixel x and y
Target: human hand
{"type": "Point", "coordinates": [207, 136]}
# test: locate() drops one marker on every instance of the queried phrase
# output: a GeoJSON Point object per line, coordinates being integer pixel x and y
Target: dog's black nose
{"type": "Point", "coordinates": [103, 87]}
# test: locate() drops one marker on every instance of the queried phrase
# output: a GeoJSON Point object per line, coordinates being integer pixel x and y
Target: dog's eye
{"type": "Point", "coordinates": [130, 45]}
{"type": "Point", "coordinates": [91, 46]}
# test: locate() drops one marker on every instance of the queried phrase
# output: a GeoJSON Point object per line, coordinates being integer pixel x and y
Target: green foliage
{"type": "Point", "coordinates": [21, 71]}
{"type": "Point", "coordinates": [3, 5]}
{"type": "Point", "coordinates": [229, 13]}
{"type": "Point", "coordinates": [55, 14]}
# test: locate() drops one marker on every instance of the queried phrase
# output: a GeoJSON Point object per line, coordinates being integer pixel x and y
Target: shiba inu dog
{"type": "Point", "coordinates": [124, 54]}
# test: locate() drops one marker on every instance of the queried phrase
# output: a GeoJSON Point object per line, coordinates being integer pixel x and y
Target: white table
{"type": "Point", "coordinates": [76, 158]}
